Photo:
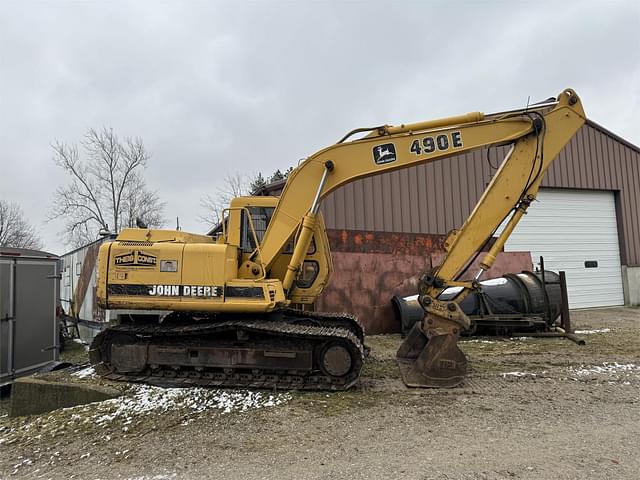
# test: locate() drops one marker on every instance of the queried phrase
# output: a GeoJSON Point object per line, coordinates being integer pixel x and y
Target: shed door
{"type": "Point", "coordinates": [575, 231]}
{"type": "Point", "coordinates": [36, 324]}
{"type": "Point", "coordinates": [6, 293]}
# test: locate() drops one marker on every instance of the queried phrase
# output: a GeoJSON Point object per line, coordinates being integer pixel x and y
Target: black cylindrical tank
{"type": "Point", "coordinates": [502, 300]}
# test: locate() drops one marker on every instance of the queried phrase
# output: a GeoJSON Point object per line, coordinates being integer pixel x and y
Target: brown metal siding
{"type": "Point", "coordinates": [437, 197]}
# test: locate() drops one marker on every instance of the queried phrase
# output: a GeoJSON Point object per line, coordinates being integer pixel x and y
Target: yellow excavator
{"type": "Point", "coordinates": [234, 310]}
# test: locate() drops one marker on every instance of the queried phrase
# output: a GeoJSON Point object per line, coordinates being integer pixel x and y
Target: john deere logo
{"type": "Point", "coordinates": [384, 153]}
{"type": "Point", "coordinates": [135, 259]}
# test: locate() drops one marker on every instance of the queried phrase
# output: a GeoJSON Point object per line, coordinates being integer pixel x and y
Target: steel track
{"type": "Point", "coordinates": [322, 328]}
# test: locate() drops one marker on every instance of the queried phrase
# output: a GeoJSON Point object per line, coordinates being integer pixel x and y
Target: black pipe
{"type": "Point", "coordinates": [513, 301]}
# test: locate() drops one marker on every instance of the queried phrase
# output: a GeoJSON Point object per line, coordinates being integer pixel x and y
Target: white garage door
{"type": "Point", "coordinates": [569, 228]}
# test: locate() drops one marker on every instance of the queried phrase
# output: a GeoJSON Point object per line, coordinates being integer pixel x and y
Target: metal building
{"type": "Point", "coordinates": [28, 323]}
{"type": "Point", "coordinates": [587, 220]}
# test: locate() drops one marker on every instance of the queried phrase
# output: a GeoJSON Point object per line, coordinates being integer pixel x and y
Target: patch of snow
{"type": "Point", "coordinates": [84, 344]}
{"type": "Point", "coordinates": [155, 477]}
{"type": "Point", "coordinates": [477, 340]}
{"type": "Point", "coordinates": [518, 374]}
{"type": "Point", "coordinates": [590, 332]}
{"type": "Point", "coordinates": [84, 373]}
{"type": "Point", "coordinates": [611, 369]}
{"type": "Point", "coordinates": [147, 399]}
{"type": "Point", "coordinates": [126, 413]}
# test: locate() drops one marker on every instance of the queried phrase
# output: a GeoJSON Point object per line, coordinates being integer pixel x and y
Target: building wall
{"type": "Point", "coordinates": [437, 197]}
{"type": "Point", "coordinates": [372, 267]}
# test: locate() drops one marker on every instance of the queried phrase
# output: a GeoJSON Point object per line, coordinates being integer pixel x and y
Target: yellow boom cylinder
{"type": "Point", "coordinates": [440, 122]}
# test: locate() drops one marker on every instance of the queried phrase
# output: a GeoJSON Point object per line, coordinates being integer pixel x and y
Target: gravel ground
{"type": "Point", "coordinates": [530, 409]}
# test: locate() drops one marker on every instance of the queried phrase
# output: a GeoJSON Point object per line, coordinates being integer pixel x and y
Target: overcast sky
{"type": "Point", "coordinates": [220, 87]}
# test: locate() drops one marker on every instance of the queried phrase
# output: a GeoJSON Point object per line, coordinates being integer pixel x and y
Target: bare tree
{"type": "Point", "coordinates": [143, 204]}
{"type": "Point", "coordinates": [15, 231]}
{"type": "Point", "coordinates": [107, 189]}
{"type": "Point", "coordinates": [235, 185]}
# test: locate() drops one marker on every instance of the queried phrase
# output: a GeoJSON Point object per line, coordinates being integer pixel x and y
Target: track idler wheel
{"type": "Point", "coordinates": [430, 357]}
{"type": "Point", "coordinates": [335, 359]}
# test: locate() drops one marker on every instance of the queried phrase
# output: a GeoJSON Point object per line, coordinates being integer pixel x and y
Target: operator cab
{"type": "Point", "coordinates": [246, 222]}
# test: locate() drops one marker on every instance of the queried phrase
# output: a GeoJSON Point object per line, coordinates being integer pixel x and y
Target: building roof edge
{"type": "Point", "coordinates": [609, 133]}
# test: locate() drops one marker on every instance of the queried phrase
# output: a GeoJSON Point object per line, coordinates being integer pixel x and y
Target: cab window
{"type": "Point", "coordinates": [260, 216]}
{"type": "Point", "coordinates": [288, 248]}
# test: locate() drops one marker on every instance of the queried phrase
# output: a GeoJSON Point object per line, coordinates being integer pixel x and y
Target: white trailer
{"type": "Point", "coordinates": [78, 290]}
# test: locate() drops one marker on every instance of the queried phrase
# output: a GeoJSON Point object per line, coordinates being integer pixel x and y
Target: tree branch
{"type": "Point", "coordinates": [106, 188]}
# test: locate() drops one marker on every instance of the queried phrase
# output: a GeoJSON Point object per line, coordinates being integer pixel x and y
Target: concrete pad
{"type": "Point", "coordinates": [31, 396]}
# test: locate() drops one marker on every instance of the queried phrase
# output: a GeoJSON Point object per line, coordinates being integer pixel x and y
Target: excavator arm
{"type": "Point", "coordinates": [430, 355]}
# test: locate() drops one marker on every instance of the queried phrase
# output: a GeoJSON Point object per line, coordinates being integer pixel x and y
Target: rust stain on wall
{"type": "Point", "coordinates": [384, 242]}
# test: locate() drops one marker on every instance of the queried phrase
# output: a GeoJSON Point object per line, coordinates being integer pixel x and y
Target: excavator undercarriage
{"type": "Point", "coordinates": [291, 349]}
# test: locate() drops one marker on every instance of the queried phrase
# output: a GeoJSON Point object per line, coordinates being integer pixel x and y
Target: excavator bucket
{"type": "Point", "coordinates": [433, 360]}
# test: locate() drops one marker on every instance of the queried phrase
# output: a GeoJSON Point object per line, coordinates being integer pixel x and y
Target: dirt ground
{"type": "Point", "coordinates": [530, 409]}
